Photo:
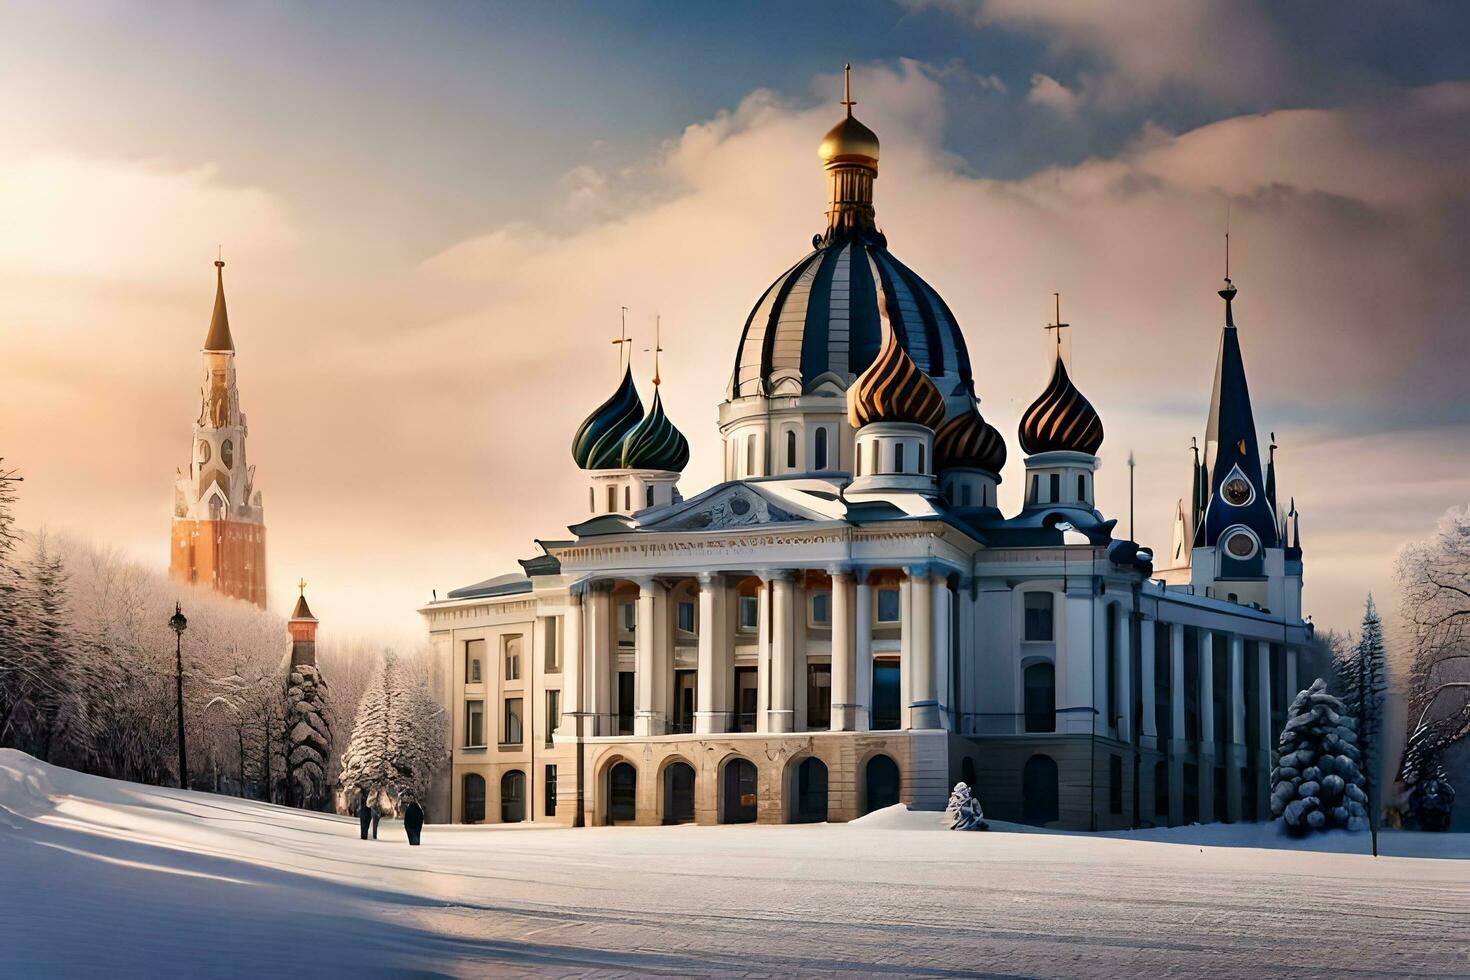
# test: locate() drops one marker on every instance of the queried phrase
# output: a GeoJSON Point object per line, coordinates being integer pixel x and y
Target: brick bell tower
{"type": "Point", "coordinates": [219, 524]}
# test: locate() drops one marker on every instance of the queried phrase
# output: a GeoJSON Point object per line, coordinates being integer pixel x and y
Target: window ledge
{"type": "Point", "coordinates": [511, 746]}
{"type": "Point", "coordinates": [474, 748]}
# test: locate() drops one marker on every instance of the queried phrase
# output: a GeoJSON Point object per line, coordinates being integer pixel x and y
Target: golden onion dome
{"type": "Point", "coordinates": [849, 142]}
{"type": "Point", "coordinates": [968, 441]}
{"type": "Point", "coordinates": [1062, 419]}
{"type": "Point", "coordinates": [893, 389]}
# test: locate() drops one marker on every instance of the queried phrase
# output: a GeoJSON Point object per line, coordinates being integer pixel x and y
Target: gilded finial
{"type": "Point", "coordinates": [622, 340]}
{"type": "Point", "coordinates": [1058, 326]}
{"type": "Point", "coordinates": [301, 585]}
{"type": "Point", "coordinates": [658, 347]}
{"type": "Point", "coordinates": [219, 257]}
{"type": "Point", "coordinates": [847, 87]}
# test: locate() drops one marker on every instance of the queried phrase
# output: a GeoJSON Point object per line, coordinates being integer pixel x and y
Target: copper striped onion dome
{"type": "Point", "coordinates": [598, 444]}
{"type": "Point", "coordinates": [893, 389]}
{"type": "Point", "coordinates": [968, 441]}
{"type": "Point", "coordinates": [1061, 420]}
{"type": "Point", "coordinates": [654, 443]}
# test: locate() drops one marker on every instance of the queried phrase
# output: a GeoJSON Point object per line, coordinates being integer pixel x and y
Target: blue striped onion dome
{"type": "Point", "coordinates": [968, 441]}
{"type": "Point", "coordinates": [893, 389]}
{"type": "Point", "coordinates": [820, 320]}
{"type": "Point", "coordinates": [654, 443]}
{"type": "Point", "coordinates": [1061, 419]}
{"type": "Point", "coordinates": [598, 444]}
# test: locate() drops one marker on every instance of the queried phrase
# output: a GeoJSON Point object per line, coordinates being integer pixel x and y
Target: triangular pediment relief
{"type": "Point", "coordinates": [733, 505]}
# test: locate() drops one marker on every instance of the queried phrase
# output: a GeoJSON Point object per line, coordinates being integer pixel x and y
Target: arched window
{"type": "Point", "coordinates": [513, 797]}
{"type": "Point", "coordinates": [1041, 696]}
{"type": "Point", "coordinates": [791, 449]}
{"type": "Point", "coordinates": [679, 793]}
{"type": "Point", "coordinates": [739, 789]}
{"type": "Point", "coordinates": [750, 455]}
{"type": "Point", "coordinates": [820, 447]}
{"type": "Point", "coordinates": [898, 457]}
{"type": "Point", "coordinates": [474, 798]}
{"type": "Point", "coordinates": [1039, 804]}
{"type": "Point", "coordinates": [811, 792]}
{"type": "Point", "coordinates": [881, 780]}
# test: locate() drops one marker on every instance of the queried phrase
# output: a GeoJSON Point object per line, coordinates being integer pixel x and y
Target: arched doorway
{"type": "Point", "coordinates": [513, 797]}
{"type": "Point", "coordinates": [1039, 790]}
{"type": "Point", "coordinates": [474, 798]}
{"type": "Point", "coordinates": [811, 792]}
{"type": "Point", "coordinates": [880, 779]}
{"type": "Point", "coordinates": [622, 793]}
{"type": "Point", "coordinates": [679, 793]}
{"type": "Point", "coordinates": [738, 789]}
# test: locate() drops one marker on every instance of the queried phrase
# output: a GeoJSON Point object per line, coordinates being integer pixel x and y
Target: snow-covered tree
{"type": "Point", "coordinates": [1317, 783]}
{"type": "Point", "coordinates": [398, 737]}
{"type": "Point", "coordinates": [1366, 693]}
{"type": "Point", "coordinates": [1435, 578]}
{"type": "Point", "coordinates": [964, 810]}
{"type": "Point", "coordinates": [309, 734]}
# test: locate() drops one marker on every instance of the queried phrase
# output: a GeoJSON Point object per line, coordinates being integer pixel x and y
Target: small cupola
{"type": "Point", "coordinates": [895, 408]}
{"type": "Point", "coordinates": [1060, 433]}
{"type": "Point", "coordinates": [969, 454]}
{"type": "Point", "coordinates": [598, 444]}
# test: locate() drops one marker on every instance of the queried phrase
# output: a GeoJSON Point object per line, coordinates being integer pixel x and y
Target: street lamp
{"type": "Point", "coordinates": [178, 624]}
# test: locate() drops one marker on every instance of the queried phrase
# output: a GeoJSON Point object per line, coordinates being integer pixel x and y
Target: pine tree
{"type": "Point", "coordinates": [14, 645]}
{"type": "Point", "coordinates": [309, 734]}
{"type": "Point", "coordinates": [1317, 784]}
{"type": "Point", "coordinates": [1369, 685]}
{"type": "Point", "coordinates": [398, 738]}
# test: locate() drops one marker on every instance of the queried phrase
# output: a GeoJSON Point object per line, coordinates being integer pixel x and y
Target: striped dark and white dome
{"type": "Point", "coordinates": [819, 321]}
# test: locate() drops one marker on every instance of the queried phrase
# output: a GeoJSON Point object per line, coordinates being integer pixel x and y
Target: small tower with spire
{"type": "Point", "coordinates": [302, 627]}
{"type": "Point", "coordinates": [218, 535]}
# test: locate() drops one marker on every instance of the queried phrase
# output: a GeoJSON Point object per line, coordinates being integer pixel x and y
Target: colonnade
{"type": "Point", "coordinates": [780, 647]}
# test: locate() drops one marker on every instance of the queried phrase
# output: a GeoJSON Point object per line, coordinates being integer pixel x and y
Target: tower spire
{"type": "Point", "coordinates": [847, 99]}
{"type": "Point", "coordinates": [218, 338]}
{"type": "Point", "coordinates": [849, 154]}
{"type": "Point", "coordinates": [1229, 290]}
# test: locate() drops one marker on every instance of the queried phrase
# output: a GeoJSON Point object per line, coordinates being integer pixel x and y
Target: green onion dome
{"type": "Point", "coordinates": [654, 443]}
{"type": "Point", "coordinates": [598, 444]}
{"type": "Point", "coordinates": [968, 441]}
{"type": "Point", "coordinates": [1061, 419]}
{"type": "Point", "coordinates": [893, 389]}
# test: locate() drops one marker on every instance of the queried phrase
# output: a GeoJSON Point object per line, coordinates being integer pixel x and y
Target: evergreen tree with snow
{"type": "Point", "coordinates": [309, 737]}
{"type": "Point", "coordinates": [964, 810]}
{"type": "Point", "coordinates": [1317, 783]}
{"type": "Point", "coordinates": [1369, 685]}
{"type": "Point", "coordinates": [398, 740]}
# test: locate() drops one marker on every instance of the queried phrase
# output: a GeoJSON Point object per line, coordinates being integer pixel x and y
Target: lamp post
{"type": "Point", "coordinates": [178, 624]}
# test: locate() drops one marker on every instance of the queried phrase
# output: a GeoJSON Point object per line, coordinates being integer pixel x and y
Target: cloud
{"type": "Point", "coordinates": [411, 426]}
{"type": "Point", "coordinates": [1047, 91]}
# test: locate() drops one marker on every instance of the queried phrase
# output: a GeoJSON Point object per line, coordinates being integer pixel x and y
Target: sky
{"type": "Point", "coordinates": [431, 215]}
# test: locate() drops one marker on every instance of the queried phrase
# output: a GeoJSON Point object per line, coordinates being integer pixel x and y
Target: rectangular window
{"type": "Point", "coordinates": [612, 499]}
{"type": "Point", "coordinates": [474, 724]}
{"type": "Point", "coordinates": [822, 609]}
{"type": "Point", "coordinates": [898, 457]}
{"type": "Point", "coordinates": [474, 660]}
{"type": "Point", "coordinates": [551, 636]}
{"type": "Point", "coordinates": [819, 696]}
{"type": "Point", "coordinates": [1081, 488]}
{"type": "Point", "coordinates": [1035, 489]}
{"type": "Point", "coordinates": [1115, 783]}
{"type": "Point", "coordinates": [683, 702]}
{"type": "Point", "coordinates": [686, 617]}
{"type": "Point", "coordinates": [648, 497]}
{"type": "Point", "coordinates": [549, 793]}
{"type": "Point", "coordinates": [627, 498]}
{"type": "Point", "coordinates": [745, 698]}
{"type": "Point", "coordinates": [749, 612]}
{"type": "Point", "coordinates": [1055, 482]}
{"type": "Point", "coordinates": [1041, 698]}
{"type": "Point", "coordinates": [512, 647]}
{"type": "Point", "coordinates": [513, 734]}
{"type": "Point", "coordinates": [887, 605]}
{"type": "Point", "coordinates": [625, 702]}
{"type": "Point", "coordinates": [553, 714]}
{"type": "Point", "coordinates": [628, 612]}
{"type": "Point", "coordinates": [1039, 617]}
{"type": "Point", "coordinates": [886, 687]}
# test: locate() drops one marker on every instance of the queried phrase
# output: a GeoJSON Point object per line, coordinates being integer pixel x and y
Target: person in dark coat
{"type": "Point", "coordinates": [377, 812]}
{"type": "Point", "coordinates": [364, 814]}
{"type": "Point", "coordinates": [413, 822]}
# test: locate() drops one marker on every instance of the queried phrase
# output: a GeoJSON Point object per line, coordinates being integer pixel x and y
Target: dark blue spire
{"type": "Point", "coordinates": [1238, 493]}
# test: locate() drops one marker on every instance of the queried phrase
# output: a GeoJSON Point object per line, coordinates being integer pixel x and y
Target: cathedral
{"type": "Point", "coordinates": [218, 537]}
{"type": "Point", "coordinates": [849, 620]}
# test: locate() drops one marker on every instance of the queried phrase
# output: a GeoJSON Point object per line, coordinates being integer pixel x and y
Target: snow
{"type": "Point", "coordinates": [109, 878]}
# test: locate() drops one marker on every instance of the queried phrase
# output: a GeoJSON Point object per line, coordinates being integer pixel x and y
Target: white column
{"type": "Point", "coordinates": [1235, 752]}
{"type": "Point", "coordinates": [1292, 686]}
{"type": "Point", "coordinates": [862, 614]}
{"type": "Point", "coordinates": [1148, 735]}
{"type": "Point", "coordinates": [598, 612]}
{"type": "Point", "coordinates": [923, 705]}
{"type": "Point", "coordinates": [783, 660]}
{"type": "Point", "coordinates": [1178, 741]}
{"type": "Point", "coordinates": [1206, 726]}
{"type": "Point", "coordinates": [942, 648]}
{"type": "Point", "coordinates": [646, 715]}
{"type": "Point", "coordinates": [1123, 647]}
{"type": "Point", "coordinates": [763, 657]}
{"type": "Point", "coordinates": [1263, 733]}
{"type": "Point", "coordinates": [843, 666]}
{"type": "Point", "coordinates": [710, 629]}
{"type": "Point", "coordinates": [571, 667]}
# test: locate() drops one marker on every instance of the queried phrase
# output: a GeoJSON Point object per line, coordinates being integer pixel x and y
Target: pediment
{"type": "Point", "coordinates": [730, 506]}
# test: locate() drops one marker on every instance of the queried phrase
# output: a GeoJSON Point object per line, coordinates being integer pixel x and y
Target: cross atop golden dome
{"type": "Point", "coordinates": [849, 142]}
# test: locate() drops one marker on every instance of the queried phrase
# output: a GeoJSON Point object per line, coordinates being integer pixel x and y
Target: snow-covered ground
{"type": "Point", "coordinates": [105, 878]}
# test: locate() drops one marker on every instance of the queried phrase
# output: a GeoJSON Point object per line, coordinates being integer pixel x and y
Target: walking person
{"type": "Point", "coordinates": [377, 812]}
{"type": "Point", "coordinates": [364, 814]}
{"type": "Point", "coordinates": [413, 822]}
